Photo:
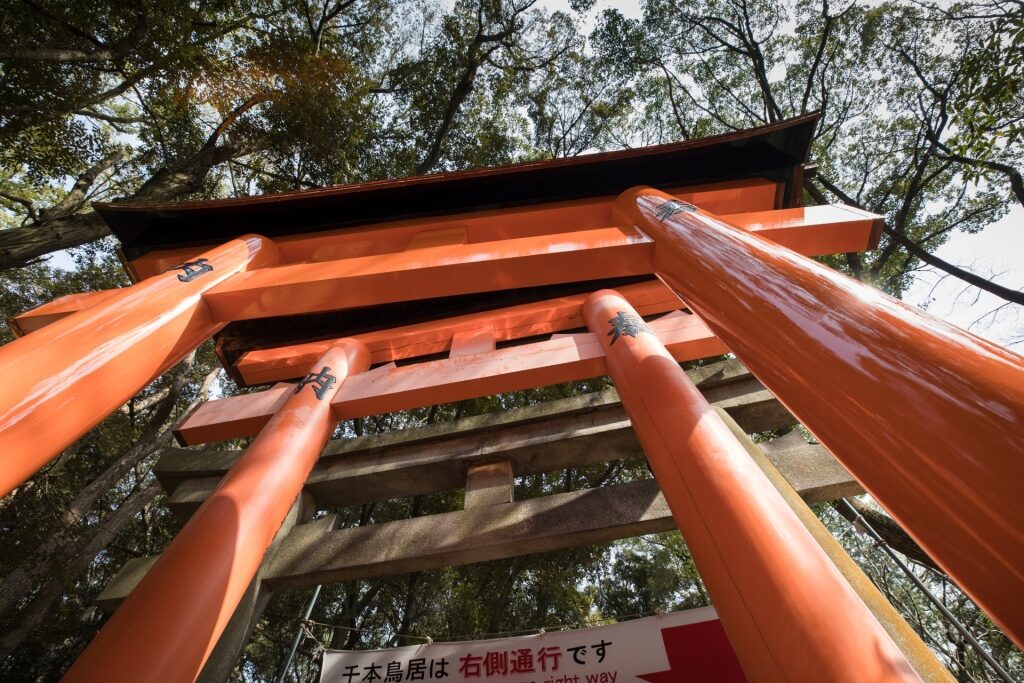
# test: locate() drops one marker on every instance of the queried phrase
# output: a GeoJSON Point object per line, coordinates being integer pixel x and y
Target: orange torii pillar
{"type": "Point", "coordinates": [170, 623]}
{"type": "Point", "coordinates": [789, 613]}
{"type": "Point", "coordinates": [64, 379]}
{"type": "Point", "coordinates": [928, 417]}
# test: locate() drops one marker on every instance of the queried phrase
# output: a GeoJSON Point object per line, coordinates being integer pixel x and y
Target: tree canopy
{"type": "Point", "coordinates": [145, 100]}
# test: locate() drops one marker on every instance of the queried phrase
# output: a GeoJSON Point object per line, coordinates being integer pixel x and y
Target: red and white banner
{"type": "Point", "coordinates": [671, 648]}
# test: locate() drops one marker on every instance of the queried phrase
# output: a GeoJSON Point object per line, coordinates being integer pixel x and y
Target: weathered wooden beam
{"type": "Point", "coordinates": [550, 436]}
{"type": "Point", "coordinates": [810, 469]}
{"type": "Point", "coordinates": [317, 553]}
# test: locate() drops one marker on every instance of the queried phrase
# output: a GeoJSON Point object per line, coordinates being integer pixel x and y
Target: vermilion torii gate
{"type": "Point", "coordinates": [341, 284]}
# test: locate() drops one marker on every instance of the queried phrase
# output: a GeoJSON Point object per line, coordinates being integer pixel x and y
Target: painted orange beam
{"type": "Point", "coordinates": [812, 231]}
{"type": "Point", "coordinates": [939, 448]}
{"type": "Point", "coordinates": [62, 380]}
{"type": "Point", "coordinates": [61, 307]}
{"type": "Point", "coordinates": [171, 622]}
{"type": "Point", "coordinates": [752, 194]}
{"type": "Point", "coordinates": [388, 388]}
{"type": "Point", "coordinates": [432, 272]}
{"type": "Point", "coordinates": [789, 613]}
{"type": "Point", "coordinates": [422, 339]}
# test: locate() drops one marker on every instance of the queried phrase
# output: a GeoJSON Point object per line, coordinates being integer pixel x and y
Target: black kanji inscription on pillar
{"type": "Point", "coordinates": [672, 207]}
{"type": "Point", "coordinates": [322, 381]}
{"type": "Point", "coordinates": [193, 269]}
{"type": "Point", "coordinates": [627, 324]}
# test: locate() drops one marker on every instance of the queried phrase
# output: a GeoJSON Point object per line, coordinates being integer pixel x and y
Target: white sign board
{"type": "Point", "coordinates": [674, 647]}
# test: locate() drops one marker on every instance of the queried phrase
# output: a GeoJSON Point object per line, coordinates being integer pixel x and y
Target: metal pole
{"type": "Point", "coordinates": [298, 635]}
{"type": "Point", "coordinates": [880, 542]}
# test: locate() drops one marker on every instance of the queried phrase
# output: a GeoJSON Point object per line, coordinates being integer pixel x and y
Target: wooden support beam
{"type": "Point", "coordinates": [390, 388]}
{"type": "Point", "coordinates": [490, 484]}
{"type": "Point", "coordinates": [747, 195]}
{"type": "Point", "coordinates": [324, 269]}
{"type": "Point", "coordinates": [547, 437]}
{"type": "Point", "coordinates": [316, 553]}
{"type": "Point", "coordinates": [432, 272]}
{"type": "Point", "coordinates": [423, 339]}
{"type": "Point", "coordinates": [810, 469]}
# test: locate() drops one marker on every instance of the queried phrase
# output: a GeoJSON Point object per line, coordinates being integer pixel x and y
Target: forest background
{"type": "Point", "coordinates": [145, 100]}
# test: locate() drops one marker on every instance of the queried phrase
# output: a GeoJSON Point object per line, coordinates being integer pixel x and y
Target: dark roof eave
{"type": "Point", "coordinates": [772, 151]}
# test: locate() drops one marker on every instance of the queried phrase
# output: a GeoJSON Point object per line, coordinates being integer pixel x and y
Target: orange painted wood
{"type": "Point", "coordinates": [432, 272]}
{"type": "Point", "coordinates": [389, 388]}
{"type": "Point", "coordinates": [51, 312]}
{"type": "Point", "coordinates": [423, 339]}
{"type": "Point", "coordinates": [169, 625]}
{"type": "Point", "coordinates": [811, 231]}
{"type": "Point", "coordinates": [471, 342]}
{"type": "Point", "coordinates": [62, 380]}
{"type": "Point", "coordinates": [752, 194]}
{"type": "Point", "coordinates": [438, 237]}
{"type": "Point", "coordinates": [928, 417]}
{"type": "Point", "coordinates": [789, 613]}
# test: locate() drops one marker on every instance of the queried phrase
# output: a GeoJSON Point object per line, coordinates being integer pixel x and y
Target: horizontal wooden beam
{"type": "Point", "coordinates": [746, 195]}
{"type": "Point", "coordinates": [391, 388]}
{"type": "Point", "coordinates": [432, 272]}
{"type": "Point", "coordinates": [573, 432]}
{"type": "Point", "coordinates": [424, 339]}
{"type": "Point", "coordinates": [329, 272]}
{"type": "Point", "coordinates": [316, 553]}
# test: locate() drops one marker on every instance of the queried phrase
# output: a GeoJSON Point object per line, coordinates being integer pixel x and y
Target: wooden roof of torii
{"type": "Point", "coordinates": [775, 152]}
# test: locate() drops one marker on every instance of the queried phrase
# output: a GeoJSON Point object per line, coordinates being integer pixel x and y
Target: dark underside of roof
{"type": "Point", "coordinates": [772, 152]}
{"type": "Point", "coordinates": [776, 152]}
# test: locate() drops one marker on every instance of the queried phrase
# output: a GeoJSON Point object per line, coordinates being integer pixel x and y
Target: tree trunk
{"type": "Point", "coordinates": [890, 531]}
{"type": "Point", "coordinates": [72, 565]}
{"type": "Point", "coordinates": [21, 246]}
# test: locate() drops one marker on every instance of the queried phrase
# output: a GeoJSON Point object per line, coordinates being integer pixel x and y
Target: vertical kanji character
{"type": "Point", "coordinates": [321, 381]}
{"type": "Point", "coordinates": [469, 666]}
{"type": "Point", "coordinates": [627, 324]}
{"type": "Point", "coordinates": [193, 269]}
{"type": "Point", "coordinates": [350, 672]}
{"type": "Point", "coordinates": [522, 661]}
{"type": "Point", "coordinates": [417, 669]}
{"type": "Point", "coordinates": [549, 653]}
{"type": "Point", "coordinates": [496, 663]}
{"type": "Point", "coordinates": [394, 673]}
{"type": "Point", "coordinates": [372, 673]}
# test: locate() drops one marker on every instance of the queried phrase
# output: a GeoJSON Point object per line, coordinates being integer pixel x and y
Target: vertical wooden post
{"type": "Point", "coordinates": [170, 623]}
{"type": "Point", "coordinates": [62, 380]}
{"type": "Point", "coordinates": [788, 612]}
{"type": "Point", "coordinates": [928, 417]}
